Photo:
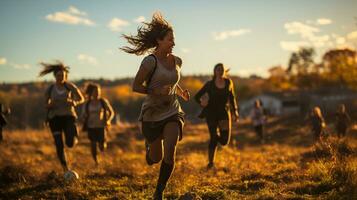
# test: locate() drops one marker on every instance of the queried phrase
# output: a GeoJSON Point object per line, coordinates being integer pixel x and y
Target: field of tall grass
{"type": "Point", "coordinates": [287, 166]}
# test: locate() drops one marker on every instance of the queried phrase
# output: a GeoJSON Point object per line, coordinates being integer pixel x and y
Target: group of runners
{"type": "Point", "coordinates": [161, 116]}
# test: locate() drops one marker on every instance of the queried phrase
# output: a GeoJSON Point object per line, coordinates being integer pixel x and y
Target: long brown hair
{"type": "Point", "coordinates": [53, 68]}
{"type": "Point", "coordinates": [90, 88]}
{"type": "Point", "coordinates": [148, 34]}
{"type": "Point", "coordinates": [225, 71]}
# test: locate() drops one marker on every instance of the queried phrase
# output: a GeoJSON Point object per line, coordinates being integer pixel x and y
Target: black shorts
{"type": "Point", "coordinates": [96, 134]}
{"type": "Point", "coordinates": [154, 130]}
{"type": "Point", "coordinates": [67, 124]}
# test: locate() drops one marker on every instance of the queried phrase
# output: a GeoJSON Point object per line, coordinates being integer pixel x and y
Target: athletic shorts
{"type": "Point", "coordinates": [154, 130]}
{"type": "Point", "coordinates": [66, 124]}
{"type": "Point", "coordinates": [96, 134]}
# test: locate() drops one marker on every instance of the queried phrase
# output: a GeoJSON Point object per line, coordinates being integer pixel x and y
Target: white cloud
{"type": "Point", "coordinates": [323, 21]}
{"type": "Point", "coordinates": [293, 45]}
{"type": "Point", "coordinates": [185, 50]}
{"type": "Point", "coordinates": [340, 40]}
{"type": "Point", "coordinates": [308, 34]}
{"type": "Point", "coordinates": [75, 11]}
{"type": "Point", "coordinates": [231, 33]}
{"type": "Point", "coordinates": [83, 58]}
{"type": "Point", "coordinates": [71, 16]}
{"type": "Point", "coordinates": [3, 61]}
{"type": "Point", "coordinates": [319, 41]}
{"type": "Point", "coordinates": [117, 24]}
{"type": "Point", "coordinates": [140, 19]}
{"type": "Point", "coordinates": [20, 66]}
{"type": "Point", "coordinates": [305, 31]}
{"type": "Point", "coordinates": [352, 35]}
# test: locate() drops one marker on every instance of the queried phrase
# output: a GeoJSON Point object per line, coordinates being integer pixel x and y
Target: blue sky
{"type": "Point", "coordinates": [248, 36]}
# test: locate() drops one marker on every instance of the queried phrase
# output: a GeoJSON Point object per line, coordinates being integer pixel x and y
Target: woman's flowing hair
{"type": "Point", "coordinates": [148, 34]}
{"type": "Point", "coordinates": [90, 88]}
{"type": "Point", "coordinates": [53, 68]}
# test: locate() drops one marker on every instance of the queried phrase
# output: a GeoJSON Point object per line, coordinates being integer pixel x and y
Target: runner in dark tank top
{"type": "Point", "coordinates": [218, 100]}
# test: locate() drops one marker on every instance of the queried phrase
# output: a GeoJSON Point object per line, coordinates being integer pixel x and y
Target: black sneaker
{"type": "Point", "coordinates": [147, 156]}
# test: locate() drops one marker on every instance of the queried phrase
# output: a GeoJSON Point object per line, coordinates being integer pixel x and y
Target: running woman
{"type": "Point", "coordinates": [61, 99]}
{"type": "Point", "coordinates": [161, 115]}
{"type": "Point", "coordinates": [97, 115]}
{"type": "Point", "coordinates": [219, 103]}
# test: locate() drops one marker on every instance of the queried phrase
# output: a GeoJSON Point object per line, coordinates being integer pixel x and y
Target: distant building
{"type": "Point", "coordinates": [300, 102]}
{"type": "Point", "coordinates": [274, 103]}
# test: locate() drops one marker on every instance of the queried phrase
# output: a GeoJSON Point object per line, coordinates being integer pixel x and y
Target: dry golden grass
{"type": "Point", "coordinates": [287, 166]}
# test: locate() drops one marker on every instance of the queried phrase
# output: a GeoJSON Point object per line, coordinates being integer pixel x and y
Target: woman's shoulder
{"type": "Point", "coordinates": [70, 85]}
{"type": "Point", "coordinates": [149, 61]}
{"type": "Point", "coordinates": [104, 100]}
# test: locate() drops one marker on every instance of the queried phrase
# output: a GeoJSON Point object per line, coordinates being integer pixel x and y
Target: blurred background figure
{"type": "Point", "coordinates": [259, 119]}
{"type": "Point", "coordinates": [97, 116]}
{"type": "Point", "coordinates": [3, 112]}
{"type": "Point", "coordinates": [317, 123]}
{"type": "Point", "coordinates": [343, 120]}
{"type": "Point", "coordinates": [61, 99]}
{"type": "Point", "coordinates": [219, 102]}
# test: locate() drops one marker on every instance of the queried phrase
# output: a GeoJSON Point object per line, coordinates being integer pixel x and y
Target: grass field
{"type": "Point", "coordinates": [287, 166]}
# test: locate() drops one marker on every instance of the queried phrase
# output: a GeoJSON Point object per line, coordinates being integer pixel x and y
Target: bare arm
{"type": "Point", "coordinates": [138, 85]}
{"type": "Point", "coordinates": [109, 109]}
{"type": "Point", "coordinates": [232, 99]}
{"type": "Point", "coordinates": [78, 96]}
{"type": "Point", "coordinates": [146, 68]}
{"type": "Point", "coordinates": [183, 93]}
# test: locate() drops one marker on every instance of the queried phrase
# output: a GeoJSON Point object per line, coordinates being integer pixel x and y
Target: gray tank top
{"type": "Point", "coordinates": [154, 107]}
{"type": "Point", "coordinates": [60, 96]}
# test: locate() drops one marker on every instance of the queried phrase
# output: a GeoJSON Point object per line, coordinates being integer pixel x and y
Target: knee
{"type": "Point", "coordinates": [224, 139]}
{"type": "Point", "coordinates": [156, 158]}
{"type": "Point", "coordinates": [70, 143]}
{"type": "Point", "coordinates": [212, 144]}
{"type": "Point", "coordinates": [169, 159]}
{"type": "Point", "coordinates": [101, 147]}
{"type": "Point", "coordinates": [224, 142]}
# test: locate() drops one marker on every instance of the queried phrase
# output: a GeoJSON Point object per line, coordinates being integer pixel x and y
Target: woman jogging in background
{"type": "Point", "coordinates": [97, 115]}
{"type": "Point", "coordinates": [158, 76]}
{"type": "Point", "coordinates": [258, 119]}
{"type": "Point", "coordinates": [219, 102]}
{"type": "Point", "coordinates": [61, 99]}
{"type": "Point", "coordinates": [342, 121]}
{"type": "Point", "coordinates": [317, 123]}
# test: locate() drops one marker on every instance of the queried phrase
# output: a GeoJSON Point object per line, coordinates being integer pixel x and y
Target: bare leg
{"type": "Point", "coordinates": [171, 134]}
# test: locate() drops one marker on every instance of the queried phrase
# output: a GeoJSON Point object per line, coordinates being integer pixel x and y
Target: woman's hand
{"type": "Point", "coordinates": [204, 100]}
{"type": "Point", "coordinates": [186, 95]}
{"type": "Point", "coordinates": [235, 116]}
{"type": "Point", "coordinates": [71, 102]}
